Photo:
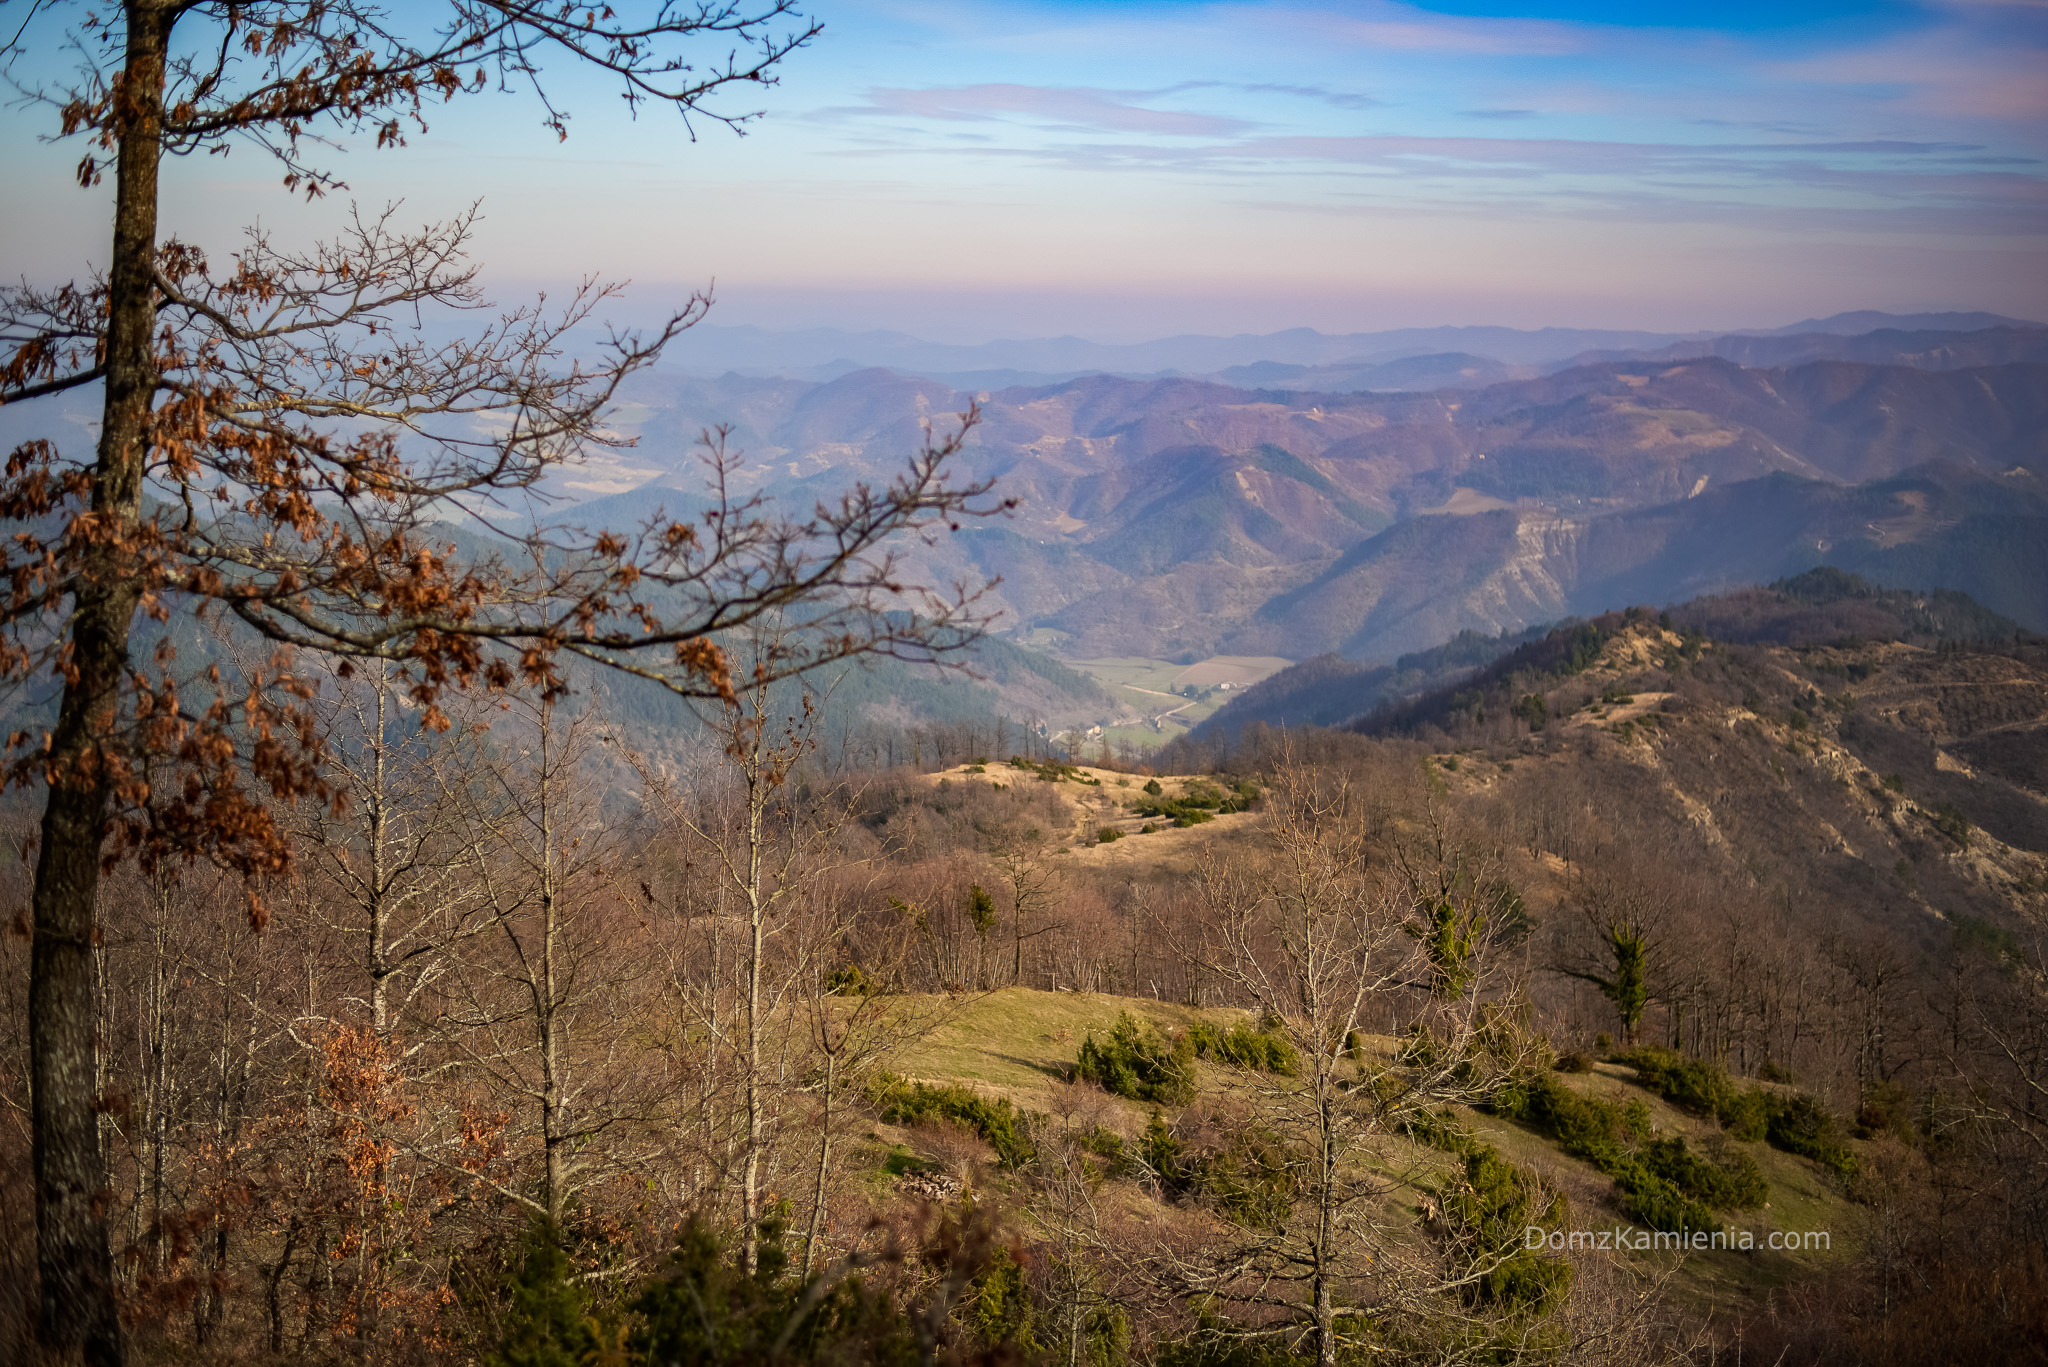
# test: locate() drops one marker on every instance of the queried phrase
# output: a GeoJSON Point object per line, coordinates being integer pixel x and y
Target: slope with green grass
{"type": "Point", "coordinates": [1017, 1048]}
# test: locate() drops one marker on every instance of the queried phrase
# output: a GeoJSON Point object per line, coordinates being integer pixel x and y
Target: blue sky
{"type": "Point", "coordinates": [982, 169]}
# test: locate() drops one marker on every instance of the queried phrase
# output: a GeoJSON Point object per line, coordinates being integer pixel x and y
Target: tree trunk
{"type": "Point", "coordinates": [824, 1163]}
{"type": "Point", "coordinates": [547, 1003]}
{"type": "Point", "coordinates": [1326, 1223]}
{"type": "Point", "coordinates": [750, 1179]}
{"type": "Point", "coordinates": [77, 1318]}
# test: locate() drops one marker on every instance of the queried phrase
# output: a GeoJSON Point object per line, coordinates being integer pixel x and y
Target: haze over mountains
{"type": "Point", "coordinates": [824, 353]}
{"type": "Point", "coordinates": [1180, 517]}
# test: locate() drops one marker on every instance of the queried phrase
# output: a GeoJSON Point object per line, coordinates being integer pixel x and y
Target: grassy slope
{"type": "Point", "coordinates": [1108, 802]}
{"type": "Point", "coordinates": [1804, 1197]}
{"type": "Point", "coordinates": [1016, 1044]}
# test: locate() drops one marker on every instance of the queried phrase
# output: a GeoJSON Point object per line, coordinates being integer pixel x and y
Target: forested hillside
{"type": "Point", "coordinates": [1819, 607]}
{"type": "Point", "coordinates": [1638, 929]}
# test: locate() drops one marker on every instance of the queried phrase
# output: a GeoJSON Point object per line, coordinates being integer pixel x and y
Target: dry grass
{"type": "Point", "coordinates": [1088, 807]}
{"type": "Point", "coordinates": [1017, 1043]}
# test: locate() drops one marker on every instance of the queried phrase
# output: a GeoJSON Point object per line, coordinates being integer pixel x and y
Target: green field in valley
{"type": "Point", "coordinates": [1158, 691]}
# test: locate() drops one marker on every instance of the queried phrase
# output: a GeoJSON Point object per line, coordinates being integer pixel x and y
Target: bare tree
{"type": "Point", "coordinates": [767, 848]}
{"type": "Point", "coordinates": [546, 1012]}
{"type": "Point", "coordinates": [1315, 936]}
{"type": "Point", "coordinates": [858, 1016]}
{"type": "Point", "coordinates": [395, 853]}
{"type": "Point", "coordinates": [1032, 884]}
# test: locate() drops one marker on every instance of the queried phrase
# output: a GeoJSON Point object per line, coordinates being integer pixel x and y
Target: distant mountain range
{"type": "Point", "coordinates": [1923, 349]}
{"type": "Point", "coordinates": [824, 353]}
{"type": "Point", "coordinates": [1174, 517]}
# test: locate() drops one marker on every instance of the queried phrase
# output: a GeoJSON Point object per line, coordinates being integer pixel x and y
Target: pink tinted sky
{"type": "Point", "coordinates": [973, 170]}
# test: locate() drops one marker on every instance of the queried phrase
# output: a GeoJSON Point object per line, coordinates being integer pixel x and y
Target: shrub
{"type": "Point", "coordinates": [1250, 1178]}
{"type": "Point", "coordinates": [1649, 1200]}
{"type": "Point", "coordinates": [1690, 1084]}
{"type": "Point", "coordinates": [1660, 1182]}
{"type": "Point", "coordinates": [1136, 1061]}
{"type": "Point", "coordinates": [1485, 1215]}
{"type": "Point", "coordinates": [1052, 771]}
{"type": "Point", "coordinates": [1219, 1343]}
{"type": "Point", "coordinates": [546, 1320]}
{"type": "Point", "coordinates": [847, 980]}
{"type": "Point", "coordinates": [1162, 1153]}
{"type": "Point", "coordinates": [1242, 798]}
{"type": "Point", "coordinates": [1109, 1146]}
{"type": "Point", "coordinates": [1584, 1127]}
{"type": "Point", "coordinates": [1801, 1125]}
{"type": "Point", "coordinates": [1005, 1128]}
{"type": "Point", "coordinates": [1262, 1048]}
{"type": "Point", "coordinates": [1577, 1061]}
{"type": "Point", "coordinates": [1176, 810]}
{"type": "Point", "coordinates": [704, 1306]}
{"type": "Point", "coordinates": [1107, 834]}
{"type": "Point", "coordinates": [1748, 1118]}
{"type": "Point", "coordinates": [1797, 1124]}
{"type": "Point", "coordinates": [1886, 1107]}
{"type": "Point", "coordinates": [1199, 801]}
{"type": "Point", "coordinates": [1736, 1185]}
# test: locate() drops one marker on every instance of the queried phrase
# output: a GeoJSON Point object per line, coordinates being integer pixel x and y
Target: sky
{"type": "Point", "coordinates": [977, 169]}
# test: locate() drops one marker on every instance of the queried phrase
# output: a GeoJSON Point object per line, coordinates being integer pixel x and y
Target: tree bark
{"type": "Point", "coordinates": [77, 1317]}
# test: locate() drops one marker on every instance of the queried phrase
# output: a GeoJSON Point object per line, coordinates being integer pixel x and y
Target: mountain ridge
{"type": "Point", "coordinates": [1157, 517]}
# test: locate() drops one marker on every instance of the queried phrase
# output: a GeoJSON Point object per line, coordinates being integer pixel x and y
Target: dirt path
{"type": "Point", "coordinates": [1186, 703]}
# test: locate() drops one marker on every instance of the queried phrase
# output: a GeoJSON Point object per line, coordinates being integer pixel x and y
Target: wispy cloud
{"type": "Point", "coordinates": [1062, 107]}
{"type": "Point", "coordinates": [1380, 26]}
{"type": "Point", "coordinates": [1956, 73]}
{"type": "Point", "coordinates": [1866, 186]}
{"type": "Point", "coordinates": [1336, 99]}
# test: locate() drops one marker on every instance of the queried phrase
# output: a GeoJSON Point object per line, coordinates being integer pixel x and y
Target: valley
{"type": "Point", "coordinates": [1162, 698]}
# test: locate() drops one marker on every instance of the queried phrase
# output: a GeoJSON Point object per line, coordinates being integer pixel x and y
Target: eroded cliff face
{"type": "Point", "coordinates": [1535, 583]}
